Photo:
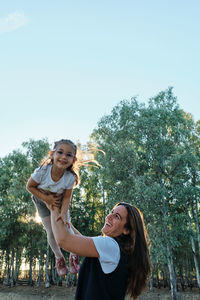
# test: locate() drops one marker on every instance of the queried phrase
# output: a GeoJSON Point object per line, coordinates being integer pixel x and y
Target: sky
{"type": "Point", "coordinates": [66, 64]}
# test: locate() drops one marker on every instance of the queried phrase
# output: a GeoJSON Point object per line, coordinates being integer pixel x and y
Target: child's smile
{"type": "Point", "coordinates": [63, 156]}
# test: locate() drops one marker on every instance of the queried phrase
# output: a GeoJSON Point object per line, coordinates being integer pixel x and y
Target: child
{"type": "Point", "coordinates": [51, 187]}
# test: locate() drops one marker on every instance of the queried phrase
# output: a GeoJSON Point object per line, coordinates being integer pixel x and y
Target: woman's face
{"type": "Point", "coordinates": [115, 222]}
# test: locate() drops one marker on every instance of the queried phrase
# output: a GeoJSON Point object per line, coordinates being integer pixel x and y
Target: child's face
{"type": "Point", "coordinates": [64, 156]}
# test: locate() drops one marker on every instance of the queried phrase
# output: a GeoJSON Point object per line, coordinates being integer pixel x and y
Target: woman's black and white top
{"type": "Point", "coordinates": [103, 278]}
{"type": "Point", "coordinates": [109, 253]}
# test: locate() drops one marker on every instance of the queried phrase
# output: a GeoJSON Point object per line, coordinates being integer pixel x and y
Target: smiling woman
{"type": "Point", "coordinates": [116, 263]}
{"type": "Point", "coordinates": [115, 222]}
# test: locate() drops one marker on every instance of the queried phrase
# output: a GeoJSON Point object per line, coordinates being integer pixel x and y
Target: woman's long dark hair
{"type": "Point", "coordinates": [136, 246]}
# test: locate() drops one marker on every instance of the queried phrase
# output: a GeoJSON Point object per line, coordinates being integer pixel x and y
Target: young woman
{"type": "Point", "coordinates": [116, 263]}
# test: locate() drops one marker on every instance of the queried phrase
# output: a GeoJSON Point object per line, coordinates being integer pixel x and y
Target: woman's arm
{"type": "Point", "coordinates": [65, 206]}
{"type": "Point", "coordinates": [74, 229]}
{"type": "Point", "coordinates": [79, 244]}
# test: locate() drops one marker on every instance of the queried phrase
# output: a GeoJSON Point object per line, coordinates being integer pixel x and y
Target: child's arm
{"type": "Point", "coordinates": [48, 198]}
{"type": "Point", "coordinates": [66, 200]}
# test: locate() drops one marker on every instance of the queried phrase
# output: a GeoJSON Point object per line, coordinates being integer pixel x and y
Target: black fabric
{"type": "Point", "coordinates": [94, 284]}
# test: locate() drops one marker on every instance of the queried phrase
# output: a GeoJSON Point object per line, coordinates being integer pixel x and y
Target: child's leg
{"type": "Point", "coordinates": [45, 215]}
{"type": "Point", "coordinates": [50, 237]}
{"type": "Point", "coordinates": [60, 260]}
{"type": "Point", "coordinates": [74, 264]}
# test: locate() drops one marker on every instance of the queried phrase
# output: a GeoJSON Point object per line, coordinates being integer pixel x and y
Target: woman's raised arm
{"type": "Point", "coordinates": [78, 244]}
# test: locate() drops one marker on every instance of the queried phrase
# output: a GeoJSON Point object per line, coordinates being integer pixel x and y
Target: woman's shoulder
{"type": "Point", "coordinates": [109, 253]}
{"type": "Point", "coordinates": [106, 243]}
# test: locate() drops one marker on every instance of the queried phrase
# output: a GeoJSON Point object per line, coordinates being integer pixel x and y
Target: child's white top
{"type": "Point", "coordinates": [42, 175]}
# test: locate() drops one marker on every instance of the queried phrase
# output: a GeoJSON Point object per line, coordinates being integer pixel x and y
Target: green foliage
{"type": "Point", "coordinates": [18, 231]}
{"type": "Point", "coordinates": [152, 160]}
{"type": "Point", "coordinates": [36, 151]}
{"type": "Point", "coordinates": [87, 207]}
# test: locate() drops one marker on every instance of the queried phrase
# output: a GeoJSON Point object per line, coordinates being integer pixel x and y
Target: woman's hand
{"type": "Point", "coordinates": [63, 218]}
{"type": "Point", "coordinates": [51, 199]}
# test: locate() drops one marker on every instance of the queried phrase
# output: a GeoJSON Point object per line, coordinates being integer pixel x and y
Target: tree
{"type": "Point", "coordinates": [145, 147]}
{"type": "Point", "coordinates": [16, 207]}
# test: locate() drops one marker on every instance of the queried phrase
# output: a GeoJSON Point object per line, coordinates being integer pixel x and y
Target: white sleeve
{"type": "Point", "coordinates": [71, 180]}
{"type": "Point", "coordinates": [37, 174]}
{"type": "Point", "coordinates": [109, 253]}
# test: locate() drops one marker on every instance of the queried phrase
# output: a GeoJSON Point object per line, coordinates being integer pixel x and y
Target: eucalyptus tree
{"type": "Point", "coordinates": [36, 150]}
{"type": "Point", "coordinates": [13, 205]}
{"type": "Point", "coordinates": [86, 205]}
{"type": "Point", "coordinates": [194, 171]}
{"type": "Point", "coordinates": [144, 147]}
{"type": "Point", "coordinates": [187, 187]}
{"type": "Point", "coordinates": [16, 208]}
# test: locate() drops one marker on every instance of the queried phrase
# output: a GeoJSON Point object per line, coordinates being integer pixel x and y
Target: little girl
{"type": "Point", "coordinates": [51, 187]}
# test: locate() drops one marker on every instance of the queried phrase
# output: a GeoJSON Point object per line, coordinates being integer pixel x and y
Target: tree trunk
{"type": "Point", "coordinates": [195, 211]}
{"type": "Point", "coordinates": [188, 274]}
{"type": "Point", "coordinates": [30, 280]}
{"type": "Point", "coordinates": [193, 247]}
{"type": "Point", "coordinates": [165, 277]}
{"type": "Point", "coordinates": [17, 265]}
{"type": "Point", "coordinates": [47, 281]}
{"type": "Point", "coordinates": [39, 271]}
{"type": "Point", "coordinates": [158, 279]}
{"type": "Point", "coordinates": [172, 275]}
{"type": "Point", "coordinates": [104, 206]}
{"type": "Point", "coordinates": [8, 268]}
{"type": "Point", "coordinates": [197, 222]}
{"type": "Point", "coordinates": [151, 280]}
{"type": "Point", "coordinates": [12, 281]}
{"type": "Point", "coordinates": [1, 262]}
{"type": "Point", "coordinates": [53, 270]}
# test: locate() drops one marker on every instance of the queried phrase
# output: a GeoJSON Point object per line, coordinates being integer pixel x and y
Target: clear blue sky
{"type": "Point", "coordinates": [65, 64]}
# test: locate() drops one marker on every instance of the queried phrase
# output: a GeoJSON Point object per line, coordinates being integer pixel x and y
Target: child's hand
{"type": "Point", "coordinates": [52, 200]}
